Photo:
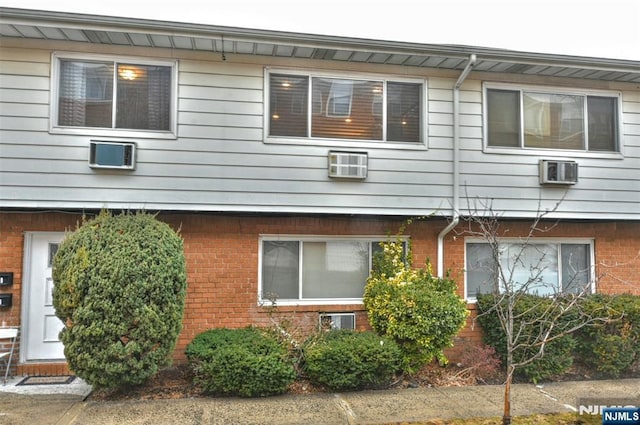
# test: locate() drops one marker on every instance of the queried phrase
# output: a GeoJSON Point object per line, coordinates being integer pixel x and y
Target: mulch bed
{"type": "Point", "coordinates": [177, 382]}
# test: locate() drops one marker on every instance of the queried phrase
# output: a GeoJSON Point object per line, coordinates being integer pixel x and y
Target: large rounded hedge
{"type": "Point", "coordinates": [120, 284]}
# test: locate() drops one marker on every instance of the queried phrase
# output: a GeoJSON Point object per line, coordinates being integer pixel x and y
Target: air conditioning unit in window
{"type": "Point", "coordinates": [118, 155]}
{"type": "Point", "coordinates": [347, 165]}
{"type": "Point", "coordinates": [558, 172]}
{"type": "Point", "coordinates": [338, 321]}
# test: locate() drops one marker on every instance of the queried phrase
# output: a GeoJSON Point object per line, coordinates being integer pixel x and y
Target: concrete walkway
{"type": "Point", "coordinates": [65, 405]}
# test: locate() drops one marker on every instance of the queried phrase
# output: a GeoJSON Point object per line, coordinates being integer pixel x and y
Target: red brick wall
{"type": "Point", "coordinates": [222, 266]}
{"type": "Point", "coordinates": [222, 262]}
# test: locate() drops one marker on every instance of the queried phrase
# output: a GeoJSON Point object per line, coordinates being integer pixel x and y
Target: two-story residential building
{"type": "Point", "coordinates": [284, 158]}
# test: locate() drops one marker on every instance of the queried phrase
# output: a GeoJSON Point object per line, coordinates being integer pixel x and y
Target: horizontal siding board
{"type": "Point", "coordinates": [440, 119]}
{"type": "Point", "coordinates": [220, 68]}
{"type": "Point", "coordinates": [226, 133]}
{"type": "Point", "coordinates": [222, 93]}
{"type": "Point", "coordinates": [224, 120]}
{"type": "Point", "coordinates": [441, 106]}
{"type": "Point", "coordinates": [468, 120]}
{"type": "Point", "coordinates": [44, 151]}
{"type": "Point", "coordinates": [513, 164]}
{"type": "Point", "coordinates": [440, 131]}
{"type": "Point", "coordinates": [220, 186]}
{"type": "Point", "coordinates": [18, 68]}
{"type": "Point", "coordinates": [39, 166]}
{"type": "Point", "coordinates": [548, 197]}
{"type": "Point", "coordinates": [631, 107]}
{"type": "Point", "coordinates": [173, 199]}
{"type": "Point", "coordinates": [441, 94]}
{"type": "Point", "coordinates": [631, 129]}
{"type": "Point", "coordinates": [467, 96]}
{"type": "Point", "coordinates": [223, 168]}
{"type": "Point", "coordinates": [9, 109]}
{"type": "Point", "coordinates": [631, 118]}
{"type": "Point", "coordinates": [470, 108]}
{"type": "Point", "coordinates": [220, 106]}
{"type": "Point", "coordinates": [522, 180]}
{"type": "Point", "coordinates": [26, 56]}
{"type": "Point", "coordinates": [221, 80]}
{"type": "Point", "coordinates": [631, 96]}
{"type": "Point", "coordinates": [24, 96]}
{"type": "Point", "coordinates": [24, 82]}
{"type": "Point", "coordinates": [471, 132]}
{"type": "Point", "coordinates": [248, 149]}
{"type": "Point", "coordinates": [24, 123]}
{"type": "Point", "coordinates": [526, 208]}
{"type": "Point", "coordinates": [441, 83]}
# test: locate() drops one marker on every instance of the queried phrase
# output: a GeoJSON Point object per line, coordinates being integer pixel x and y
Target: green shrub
{"type": "Point", "coordinates": [347, 360]}
{"type": "Point", "coordinates": [421, 312]}
{"type": "Point", "coordinates": [246, 362]}
{"type": "Point", "coordinates": [120, 285]}
{"type": "Point", "coordinates": [611, 347]}
{"type": "Point", "coordinates": [530, 311]}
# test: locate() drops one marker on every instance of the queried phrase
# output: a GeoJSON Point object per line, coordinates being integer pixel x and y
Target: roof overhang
{"type": "Point", "coordinates": [62, 26]}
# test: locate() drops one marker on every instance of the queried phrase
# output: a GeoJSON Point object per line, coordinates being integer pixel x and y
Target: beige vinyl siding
{"type": "Point", "coordinates": [608, 186]}
{"type": "Point", "coordinates": [219, 161]}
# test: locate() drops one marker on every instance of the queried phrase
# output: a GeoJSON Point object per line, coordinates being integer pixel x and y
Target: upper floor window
{"type": "Point", "coordinates": [102, 93]}
{"type": "Point", "coordinates": [313, 270]}
{"type": "Point", "coordinates": [542, 267]}
{"type": "Point", "coordinates": [539, 119]}
{"type": "Point", "coordinates": [310, 106]}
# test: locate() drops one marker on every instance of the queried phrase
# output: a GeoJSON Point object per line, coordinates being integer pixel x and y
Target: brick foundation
{"type": "Point", "coordinates": [222, 264]}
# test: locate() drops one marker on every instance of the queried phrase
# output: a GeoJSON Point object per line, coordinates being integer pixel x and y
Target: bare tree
{"type": "Point", "coordinates": [512, 268]}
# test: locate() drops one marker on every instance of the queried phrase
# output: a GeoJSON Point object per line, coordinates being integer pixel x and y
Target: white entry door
{"type": "Point", "coordinates": [41, 327]}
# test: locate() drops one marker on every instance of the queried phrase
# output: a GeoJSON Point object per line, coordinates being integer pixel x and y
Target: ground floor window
{"type": "Point", "coordinates": [543, 267]}
{"type": "Point", "coordinates": [315, 270]}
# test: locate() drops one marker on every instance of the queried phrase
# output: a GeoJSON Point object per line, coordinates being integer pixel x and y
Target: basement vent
{"type": "Point", "coordinates": [347, 165]}
{"type": "Point", "coordinates": [118, 155]}
{"type": "Point", "coordinates": [558, 172]}
{"type": "Point", "coordinates": [338, 321]}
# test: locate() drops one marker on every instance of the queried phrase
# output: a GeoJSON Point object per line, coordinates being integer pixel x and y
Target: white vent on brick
{"type": "Point", "coordinates": [338, 321]}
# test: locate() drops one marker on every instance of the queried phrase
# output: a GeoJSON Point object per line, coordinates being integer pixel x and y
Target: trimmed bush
{"type": "Point", "coordinates": [346, 360]}
{"type": "Point", "coordinates": [246, 362]}
{"type": "Point", "coordinates": [120, 285]}
{"type": "Point", "coordinates": [611, 347]}
{"type": "Point", "coordinates": [530, 309]}
{"type": "Point", "coordinates": [421, 312]}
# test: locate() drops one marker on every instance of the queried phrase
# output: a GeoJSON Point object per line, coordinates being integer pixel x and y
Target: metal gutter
{"type": "Point", "coordinates": [456, 163]}
{"type": "Point", "coordinates": [106, 23]}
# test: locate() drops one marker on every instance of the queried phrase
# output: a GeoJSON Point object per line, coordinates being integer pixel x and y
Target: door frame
{"type": "Point", "coordinates": [26, 289]}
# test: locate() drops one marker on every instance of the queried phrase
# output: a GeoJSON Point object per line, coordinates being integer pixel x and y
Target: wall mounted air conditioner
{"type": "Point", "coordinates": [337, 321]}
{"type": "Point", "coordinates": [348, 165]}
{"type": "Point", "coordinates": [114, 155]}
{"type": "Point", "coordinates": [558, 172]}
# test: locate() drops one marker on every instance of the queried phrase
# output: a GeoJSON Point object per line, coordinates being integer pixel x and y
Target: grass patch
{"type": "Point", "coordinates": [551, 419]}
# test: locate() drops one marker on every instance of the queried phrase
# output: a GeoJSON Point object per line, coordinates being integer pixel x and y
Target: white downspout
{"type": "Point", "coordinates": [456, 164]}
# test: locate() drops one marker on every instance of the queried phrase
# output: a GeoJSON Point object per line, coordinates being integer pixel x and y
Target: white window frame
{"type": "Point", "coordinates": [522, 150]}
{"type": "Point", "coordinates": [313, 238]}
{"type": "Point", "coordinates": [346, 143]}
{"type": "Point", "coordinates": [54, 128]}
{"type": "Point", "coordinates": [541, 241]}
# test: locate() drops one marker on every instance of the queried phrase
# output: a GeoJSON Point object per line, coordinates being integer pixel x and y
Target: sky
{"type": "Point", "coordinates": [591, 28]}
